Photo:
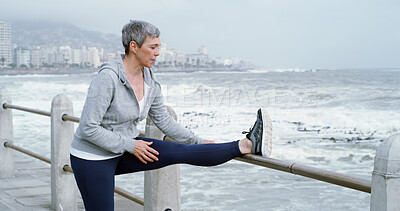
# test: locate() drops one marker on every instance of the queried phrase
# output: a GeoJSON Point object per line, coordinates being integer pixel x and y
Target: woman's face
{"type": "Point", "coordinates": [148, 52]}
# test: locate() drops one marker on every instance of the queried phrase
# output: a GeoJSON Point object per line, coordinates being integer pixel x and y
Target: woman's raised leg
{"type": "Point", "coordinates": [173, 153]}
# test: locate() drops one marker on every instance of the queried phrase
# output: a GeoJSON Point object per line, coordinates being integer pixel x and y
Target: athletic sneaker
{"type": "Point", "coordinates": [261, 134]}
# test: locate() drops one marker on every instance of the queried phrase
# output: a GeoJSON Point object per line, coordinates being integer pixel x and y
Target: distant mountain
{"type": "Point", "coordinates": [26, 34]}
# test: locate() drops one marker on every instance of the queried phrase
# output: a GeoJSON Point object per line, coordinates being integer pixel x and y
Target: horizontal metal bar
{"type": "Point", "coordinates": [20, 149]}
{"type": "Point", "coordinates": [35, 111]}
{"type": "Point", "coordinates": [311, 172]}
{"type": "Point", "coordinates": [117, 190]}
{"type": "Point", "coordinates": [306, 171]}
{"type": "Point", "coordinates": [67, 117]}
{"type": "Point", "coordinates": [129, 196]}
{"type": "Point", "coordinates": [68, 168]}
{"type": "Point", "coordinates": [142, 134]}
{"type": "Point", "coordinates": [169, 139]}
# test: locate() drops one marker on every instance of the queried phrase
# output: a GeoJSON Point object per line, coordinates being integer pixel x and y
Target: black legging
{"type": "Point", "coordinates": [95, 178]}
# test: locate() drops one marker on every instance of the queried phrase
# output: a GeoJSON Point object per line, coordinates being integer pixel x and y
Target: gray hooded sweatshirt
{"type": "Point", "coordinates": [109, 118]}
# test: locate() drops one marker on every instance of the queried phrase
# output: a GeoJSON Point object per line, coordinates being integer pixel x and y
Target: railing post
{"type": "Point", "coordinates": [63, 188]}
{"type": "Point", "coordinates": [385, 187]}
{"type": "Point", "coordinates": [6, 135]}
{"type": "Point", "coordinates": [161, 186]}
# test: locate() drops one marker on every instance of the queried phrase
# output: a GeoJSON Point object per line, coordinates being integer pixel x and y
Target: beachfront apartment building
{"type": "Point", "coordinates": [5, 44]}
{"type": "Point", "coordinates": [170, 57]}
{"type": "Point", "coordinates": [22, 57]}
{"type": "Point", "coordinates": [174, 58]}
{"type": "Point", "coordinates": [64, 56]}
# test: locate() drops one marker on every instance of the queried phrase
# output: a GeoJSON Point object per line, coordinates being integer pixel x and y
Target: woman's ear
{"type": "Point", "coordinates": [133, 46]}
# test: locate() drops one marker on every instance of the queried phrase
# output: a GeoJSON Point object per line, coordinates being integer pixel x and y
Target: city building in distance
{"type": "Point", "coordinates": [70, 47]}
{"type": "Point", "coordinates": [5, 44]}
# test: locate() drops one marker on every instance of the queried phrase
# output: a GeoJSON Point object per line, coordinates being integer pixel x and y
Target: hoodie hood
{"type": "Point", "coordinates": [117, 66]}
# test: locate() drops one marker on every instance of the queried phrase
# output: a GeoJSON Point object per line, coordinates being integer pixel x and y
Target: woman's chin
{"type": "Point", "coordinates": [149, 65]}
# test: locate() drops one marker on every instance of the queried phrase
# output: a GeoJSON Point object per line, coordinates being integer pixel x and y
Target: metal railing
{"type": "Point", "coordinates": [310, 172]}
{"type": "Point", "coordinates": [290, 167]}
{"type": "Point", "coordinates": [286, 166]}
{"type": "Point", "coordinates": [27, 152]}
{"type": "Point", "coordinates": [30, 110]}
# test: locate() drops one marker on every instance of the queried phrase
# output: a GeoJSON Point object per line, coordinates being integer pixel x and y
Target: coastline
{"type": "Point", "coordinates": [59, 71]}
{"type": "Point", "coordinates": [201, 69]}
{"type": "Point", "coordinates": [45, 71]}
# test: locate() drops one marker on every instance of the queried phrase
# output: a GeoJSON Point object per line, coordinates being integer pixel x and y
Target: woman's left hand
{"type": "Point", "coordinates": [208, 142]}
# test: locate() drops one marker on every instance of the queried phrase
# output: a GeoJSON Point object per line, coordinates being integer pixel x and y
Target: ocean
{"type": "Point", "coordinates": [329, 119]}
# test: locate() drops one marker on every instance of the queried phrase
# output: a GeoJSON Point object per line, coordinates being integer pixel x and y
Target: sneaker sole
{"type": "Point", "coordinates": [266, 145]}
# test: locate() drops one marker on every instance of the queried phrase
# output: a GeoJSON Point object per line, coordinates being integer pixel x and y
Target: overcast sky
{"type": "Point", "coordinates": [271, 33]}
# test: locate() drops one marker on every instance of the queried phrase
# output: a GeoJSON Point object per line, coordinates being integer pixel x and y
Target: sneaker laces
{"type": "Point", "coordinates": [248, 132]}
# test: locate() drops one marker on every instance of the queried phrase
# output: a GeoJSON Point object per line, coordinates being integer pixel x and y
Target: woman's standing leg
{"type": "Point", "coordinates": [173, 153]}
{"type": "Point", "coordinates": [95, 180]}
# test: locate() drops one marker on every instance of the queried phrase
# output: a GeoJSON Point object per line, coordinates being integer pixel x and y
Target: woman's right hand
{"type": "Point", "coordinates": [144, 152]}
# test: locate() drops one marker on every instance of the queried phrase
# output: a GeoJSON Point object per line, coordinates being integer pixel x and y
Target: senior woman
{"type": "Point", "coordinates": [124, 92]}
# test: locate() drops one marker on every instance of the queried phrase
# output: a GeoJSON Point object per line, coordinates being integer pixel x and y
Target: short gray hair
{"type": "Point", "coordinates": [138, 31]}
